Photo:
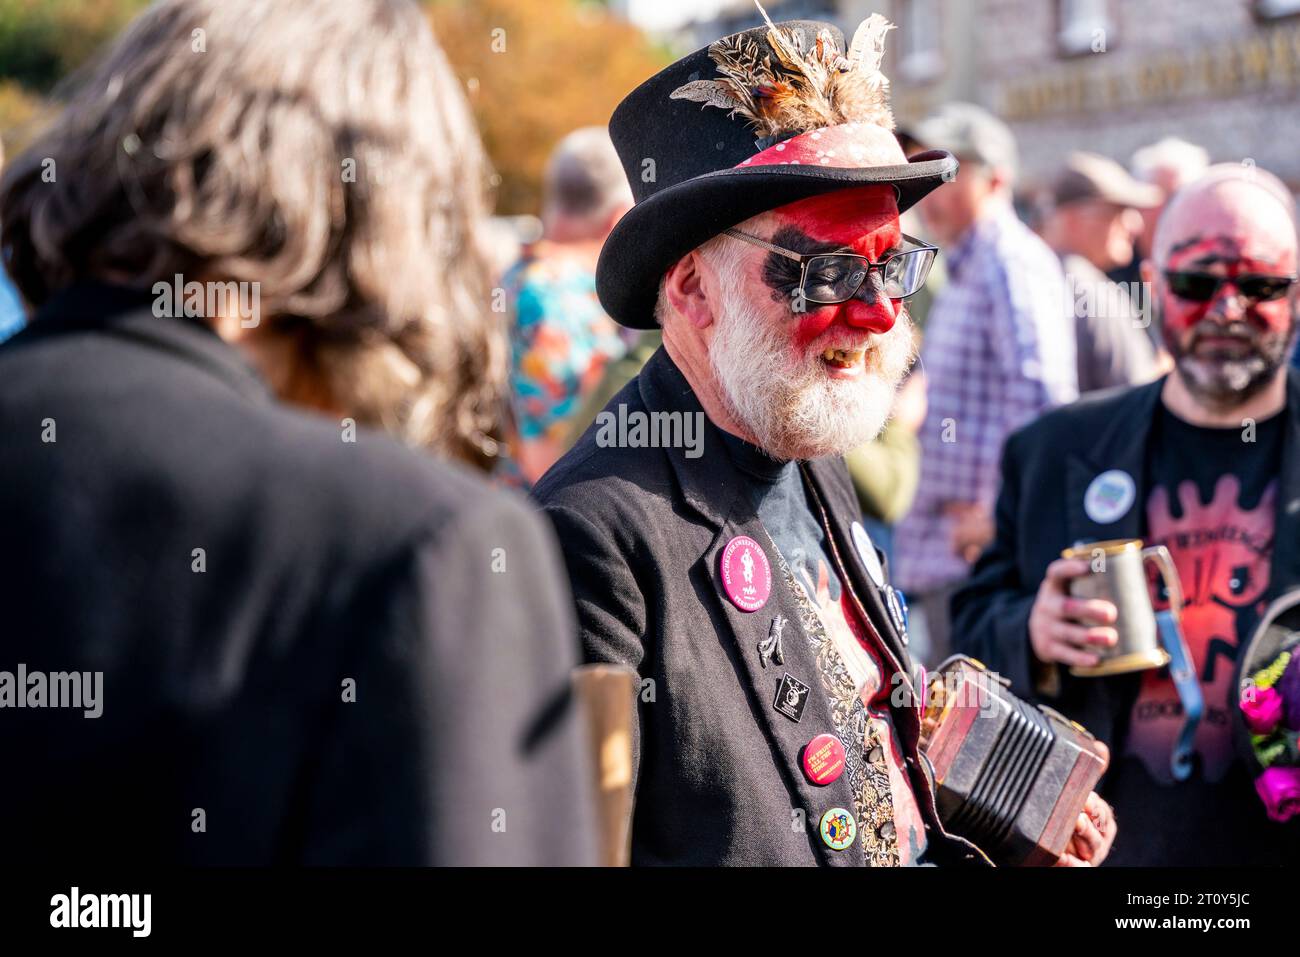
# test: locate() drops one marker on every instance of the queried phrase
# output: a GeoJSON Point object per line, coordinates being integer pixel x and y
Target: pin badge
{"type": "Point", "coordinates": [823, 759]}
{"type": "Point", "coordinates": [791, 697]}
{"type": "Point", "coordinates": [838, 828]}
{"type": "Point", "coordinates": [746, 574]}
{"type": "Point", "coordinates": [769, 649]}
{"type": "Point", "coordinates": [867, 552]}
{"type": "Point", "coordinates": [895, 604]}
{"type": "Point", "coordinates": [1109, 497]}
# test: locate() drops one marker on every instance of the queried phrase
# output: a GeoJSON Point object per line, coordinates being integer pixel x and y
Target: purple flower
{"type": "Point", "coordinates": [1262, 708]}
{"type": "Point", "coordinates": [1279, 789]}
{"type": "Point", "coordinates": [1289, 687]}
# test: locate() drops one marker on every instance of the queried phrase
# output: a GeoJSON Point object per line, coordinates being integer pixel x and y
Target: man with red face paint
{"type": "Point", "coordinates": [1205, 461]}
{"type": "Point", "coordinates": [709, 525]}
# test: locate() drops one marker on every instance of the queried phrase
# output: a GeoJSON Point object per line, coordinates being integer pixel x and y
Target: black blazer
{"type": "Point", "coordinates": [716, 767]}
{"type": "Point", "coordinates": [326, 566]}
{"type": "Point", "coordinates": [1046, 469]}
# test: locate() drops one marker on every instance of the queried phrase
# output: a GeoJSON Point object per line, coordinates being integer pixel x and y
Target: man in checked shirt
{"type": "Point", "coordinates": [999, 349]}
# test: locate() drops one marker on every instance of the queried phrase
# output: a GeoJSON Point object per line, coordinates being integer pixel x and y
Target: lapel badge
{"type": "Point", "coordinates": [867, 552]}
{"type": "Point", "coordinates": [1109, 496]}
{"type": "Point", "coordinates": [897, 610]}
{"type": "Point", "coordinates": [824, 759]}
{"type": "Point", "coordinates": [838, 829]}
{"type": "Point", "coordinates": [746, 573]}
{"type": "Point", "coordinates": [791, 697]}
{"type": "Point", "coordinates": [769, 648]}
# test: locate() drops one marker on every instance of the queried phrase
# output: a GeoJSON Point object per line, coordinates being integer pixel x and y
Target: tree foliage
{"type": "Point", "coordinates": [42, 41]}
{"type": "Point", "coordinates": [535, 70]}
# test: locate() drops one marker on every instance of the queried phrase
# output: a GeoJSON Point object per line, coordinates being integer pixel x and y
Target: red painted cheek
{"type": "Point", "coordinates": [812, 324]}
{"type": "Point", "coordinates": [1181, 316]}
{"type": "Point", "coordinates": [1275, 316]}
{"type": "Point", "coordinates": [877, 318]}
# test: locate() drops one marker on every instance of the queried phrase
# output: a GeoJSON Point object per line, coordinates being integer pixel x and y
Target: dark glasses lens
{"type": "Point", "coordinates": [1202, 287]}
{"type": "Point", "coordinates": [837, 277]}
{"type": "Point", "coordinates": [1264, 288]}
{"type": "Point", "coordinates": [1193, 286]}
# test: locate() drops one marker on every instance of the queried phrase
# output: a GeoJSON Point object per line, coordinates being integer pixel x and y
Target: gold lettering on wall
{"type": "Point", "coordinates": [1267, 60]}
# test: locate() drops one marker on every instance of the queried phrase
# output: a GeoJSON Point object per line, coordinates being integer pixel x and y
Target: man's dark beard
{"type": "Point", "coordinates": [1222, 384]}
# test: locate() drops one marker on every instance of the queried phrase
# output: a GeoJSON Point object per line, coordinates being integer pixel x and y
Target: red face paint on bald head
{"type": "Point", "coordinates": [1227, 232]}
{"type": "Point", "coordinates": [863, 220]}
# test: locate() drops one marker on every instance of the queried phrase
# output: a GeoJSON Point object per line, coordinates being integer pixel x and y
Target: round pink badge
{"type": "Point", "coordinates": [746, 574]}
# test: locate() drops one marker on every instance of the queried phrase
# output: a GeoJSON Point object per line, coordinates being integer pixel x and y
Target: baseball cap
{"type": "Point", "coordinates": [969, 132]}
{"type": "Point", "coordinates": [1088, 176]}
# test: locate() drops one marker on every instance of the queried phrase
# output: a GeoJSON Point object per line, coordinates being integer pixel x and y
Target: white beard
{"type": "Point", "coordinates": [792, 408]}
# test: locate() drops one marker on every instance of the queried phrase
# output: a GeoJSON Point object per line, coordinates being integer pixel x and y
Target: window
{"type": "Point", "coordinates": [1277, 8]}
{"type": "Point", "coordinates": [920, 33]}
{"type": "Point", "coordinates": [1085, 26]}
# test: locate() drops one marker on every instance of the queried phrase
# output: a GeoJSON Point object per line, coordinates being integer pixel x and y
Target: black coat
{"type": "Point", "coordinates": [328, 565]}
{"type": "Point", "coordinates": [1046, 469]}
{"type": "Point", "coordinates": [716, 767]}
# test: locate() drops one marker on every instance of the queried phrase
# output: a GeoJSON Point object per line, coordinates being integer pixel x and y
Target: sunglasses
{"type": "Point", "coordinates": [1204, 286]}
{"type": "Point", "coordinates": [828, 278]}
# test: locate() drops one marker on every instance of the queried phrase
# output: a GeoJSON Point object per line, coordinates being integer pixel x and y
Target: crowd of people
{"type": "Point", "coordinates": [339, 559]}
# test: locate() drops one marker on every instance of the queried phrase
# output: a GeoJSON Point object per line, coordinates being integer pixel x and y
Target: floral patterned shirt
{"type": "Point", "coordinates": [561, 341]}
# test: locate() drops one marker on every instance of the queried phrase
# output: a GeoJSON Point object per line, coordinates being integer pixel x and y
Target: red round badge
{"type": "Point", "coordinates": [746, 574]}
{"type": "Point", "coordinates": [823, 759]}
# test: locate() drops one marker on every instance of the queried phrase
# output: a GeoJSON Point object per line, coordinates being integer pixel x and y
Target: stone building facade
{"type": "Point", "coordinates": [1108, 75]}
{"type": "Point", "coordinates": [1104, 75]}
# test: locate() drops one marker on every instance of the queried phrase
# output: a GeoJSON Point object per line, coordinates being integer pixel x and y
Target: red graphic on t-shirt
{"type": "Point", "coordinates": [1222, 553]}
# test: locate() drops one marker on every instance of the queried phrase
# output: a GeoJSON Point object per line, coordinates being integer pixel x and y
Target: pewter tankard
{"type": "Point", "coordinates": [1119, 576]}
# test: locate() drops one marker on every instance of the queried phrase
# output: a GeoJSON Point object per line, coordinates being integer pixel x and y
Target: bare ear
{"type": "Point", "coordinates": [684, 287]}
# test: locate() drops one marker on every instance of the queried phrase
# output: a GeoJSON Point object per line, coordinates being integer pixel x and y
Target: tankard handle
{"type": "Point", "coordinates": [1165, 565]}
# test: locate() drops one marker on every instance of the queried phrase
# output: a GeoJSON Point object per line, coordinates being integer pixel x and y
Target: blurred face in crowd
{"type": "Point", "coordinates": [1102, 233]}
{"type": "Point", "coordinates": [816, 380]}
{"type": "Point", "coordinates": [949, 212]}
{"type": "Point", "coordinates": [1228, 340]}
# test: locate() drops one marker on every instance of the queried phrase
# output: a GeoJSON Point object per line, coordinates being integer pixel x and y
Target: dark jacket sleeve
{"type": "Point", "coordinates": [990, 613]}
{"type": "Point", "coordinates": [464, 745]}
{"type": "Point", "coordinates": [610, 603]}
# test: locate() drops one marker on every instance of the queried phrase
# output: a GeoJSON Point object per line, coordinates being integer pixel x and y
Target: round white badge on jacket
{"type": "Point", "coordinates": [1109, 497]}
{"type": "Point", "coordinates": [867, 552]}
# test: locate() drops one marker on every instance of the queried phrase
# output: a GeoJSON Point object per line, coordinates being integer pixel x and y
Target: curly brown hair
{"type": "Point", "coordinates": [323, 150]}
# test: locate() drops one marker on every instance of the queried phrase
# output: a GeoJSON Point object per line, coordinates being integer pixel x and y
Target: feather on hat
{"type": "Point", "coordinates": [803, 89]}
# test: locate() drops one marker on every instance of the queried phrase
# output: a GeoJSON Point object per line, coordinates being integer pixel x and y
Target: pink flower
{"type": "Point", "coordinates": [1279, 789]}
{"type": "Point", "coordinates": [1262, 709]}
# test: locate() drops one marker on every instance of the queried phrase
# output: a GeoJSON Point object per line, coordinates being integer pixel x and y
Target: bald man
{"type": "Point", "coordinates": [1203, 461]}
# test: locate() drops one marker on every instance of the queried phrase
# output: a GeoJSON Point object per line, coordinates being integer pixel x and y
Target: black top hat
{"type": "Point", "coordinates": [773, 92]}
